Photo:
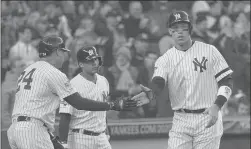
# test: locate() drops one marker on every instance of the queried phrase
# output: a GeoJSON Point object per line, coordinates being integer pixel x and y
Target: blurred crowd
{"type": "Point", "coordinates": [129, 35]}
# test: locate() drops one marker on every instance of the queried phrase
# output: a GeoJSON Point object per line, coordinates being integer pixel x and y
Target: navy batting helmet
{"type": "Point", "coordinates": [86, 54]}
{"type": "Point", "coordinates": [49, 44]}
{"type": "Point", "coordinates": [179, 16]}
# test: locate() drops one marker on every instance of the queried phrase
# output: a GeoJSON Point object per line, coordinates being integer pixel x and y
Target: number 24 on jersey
{"type": "Point", "coordinates": [25, 79]}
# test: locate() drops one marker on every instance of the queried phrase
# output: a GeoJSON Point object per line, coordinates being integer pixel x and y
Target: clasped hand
{"type": "Point", "coordinates": [142, 96]}
{"type": "Point", "coordinates": [123, 104]}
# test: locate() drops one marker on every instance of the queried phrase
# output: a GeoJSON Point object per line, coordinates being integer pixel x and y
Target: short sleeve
{"type": "Point", "coordinates": [220, 66]}
{"type": "Point", "coordinates": [65, 108]}
{"type": "Point", "coordinates": [60, 84]}
{"type": "Point", "coordinates": [108, 86]}
{"type": "Point", "coordinates": [160, 68]}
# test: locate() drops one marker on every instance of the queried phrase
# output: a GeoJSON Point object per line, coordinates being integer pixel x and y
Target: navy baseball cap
{"type": "Point", "coordinates": [55, 42]}
{"type": "Point", "coordinates": [49, 44]}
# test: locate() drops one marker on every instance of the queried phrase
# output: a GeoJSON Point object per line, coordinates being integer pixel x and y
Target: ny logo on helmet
{"type": "Point", "coordinates": [91, 52]}
{"type": "Point", "coordinates": [177, 16]}
{"type": "Point", "coordinates": [43, 54]}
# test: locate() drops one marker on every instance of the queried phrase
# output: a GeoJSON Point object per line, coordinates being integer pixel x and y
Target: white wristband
{"type": "Point", "coordinates": [225, 91]}
{"type": "Point", "coordinates": [108, 137]}
{"type": "Point", "coordinates": [65, 145]}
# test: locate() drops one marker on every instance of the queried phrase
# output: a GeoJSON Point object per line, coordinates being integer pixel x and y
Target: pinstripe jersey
{"type": "Point", "coordinates": [89, 120]}
{"type": "Point", "coordinates": [40, 88]}
{"type": "Point", "coordinates": [192, 75]}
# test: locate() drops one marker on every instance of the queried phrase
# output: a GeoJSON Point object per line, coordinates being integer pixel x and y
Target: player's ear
{"type": "Point", "coordinates": [191, 30]}
{"type": "Point", "coordinates": [54, 54]}
{"type": "Point", "coordinates": [57, 52]}
{"type": "Point", "coordinates": [170, 31]}
{"type": "Point", "coordinates": [81, 65]}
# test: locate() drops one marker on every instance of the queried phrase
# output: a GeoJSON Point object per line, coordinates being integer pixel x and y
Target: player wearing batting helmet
{"type": "Point", "coordinates": [80, 129]}
{"type": "Point", "coordinates": [40, 89]}
{"type": "Point", "coordinates": [84, 57]}
{"type": "Point", "coordinates": [180, 19]}
{"type": "Point", "coordinates": [87, 55]}
{"type": "Point", "coordinates": [199, 83]}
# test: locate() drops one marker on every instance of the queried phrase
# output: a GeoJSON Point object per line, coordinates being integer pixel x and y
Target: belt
{"type": "Point", "coordinates": [87, 132]}
{"type": "Point", "coordinates": [26, 118]}
{"type": "Point", "coordinates": [190, 111]}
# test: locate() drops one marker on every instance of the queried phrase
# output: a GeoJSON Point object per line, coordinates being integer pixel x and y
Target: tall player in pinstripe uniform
{"type": "Point", "coordinates": [199, 83]}
{"type": "Point", "coordinates": [86, 128]}
{"type": "Point", "coordinates": [40, 88]}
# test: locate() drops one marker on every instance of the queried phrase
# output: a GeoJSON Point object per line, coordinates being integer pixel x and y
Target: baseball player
{"type": "Point", "coordinates": [199, 83]}
{"type": "Point", "coordinates": [87, 128]}
{"type": "Point", "coordinates": [39, 90]}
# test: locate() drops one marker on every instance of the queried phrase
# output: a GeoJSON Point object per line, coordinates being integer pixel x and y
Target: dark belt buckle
{"type": "Point", "coordinates": [27, 118]}
{"type": "Point", "coordinates": [91, 133]}
{"type": "Point", "coordinates": [23, 118]}
{"type": "Point", "coordinates": [182, 110]}
{"type": "Point", "coordinates": [75, 130]}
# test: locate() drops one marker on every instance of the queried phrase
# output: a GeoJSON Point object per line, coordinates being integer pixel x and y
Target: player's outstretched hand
{"type": "Point", "coordinates": [213, 113]}
{"type": "Point", "coordinates": [123, 104]}
{"type": "Point", "coordinates": [144, 97]}
{"type": "Point", "coordinates": [141, 99]}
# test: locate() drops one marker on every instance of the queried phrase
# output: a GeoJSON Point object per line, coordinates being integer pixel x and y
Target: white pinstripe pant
{"type": "Point", "coordinates": [82, 141]}
{"type": "Point", "coordinates": [29, 135]}
{"type": "Point", "coordinates": [189, 132]}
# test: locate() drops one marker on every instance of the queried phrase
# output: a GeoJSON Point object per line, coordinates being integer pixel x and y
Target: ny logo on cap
{"type": "Point", "coordinates": [177, 16]}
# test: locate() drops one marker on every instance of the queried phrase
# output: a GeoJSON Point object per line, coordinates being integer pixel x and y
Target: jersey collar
{"type": "Point", "coordinates": [186, 49]}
